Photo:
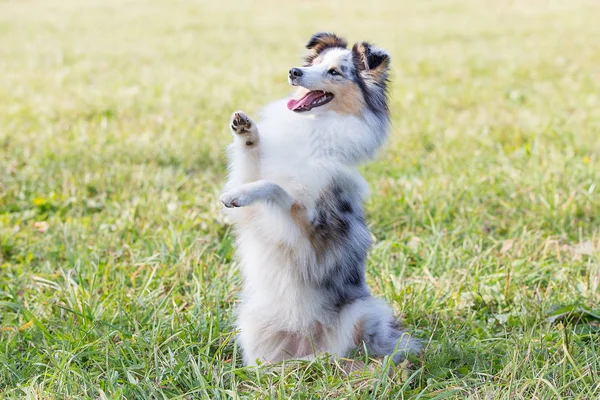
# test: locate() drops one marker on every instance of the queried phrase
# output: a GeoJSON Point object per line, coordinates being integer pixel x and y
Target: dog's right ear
{"type": "Point", "coordinates": [321, 41]}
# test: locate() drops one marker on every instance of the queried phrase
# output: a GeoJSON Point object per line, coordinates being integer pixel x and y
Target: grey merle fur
{"type": "Point", "coordinates": [342, 240]}
{"type": "Point", "coordinates": [374, 91]}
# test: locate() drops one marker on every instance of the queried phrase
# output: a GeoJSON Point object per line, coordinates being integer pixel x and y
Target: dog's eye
{"type": "Point", "coordinates": [333, 72]}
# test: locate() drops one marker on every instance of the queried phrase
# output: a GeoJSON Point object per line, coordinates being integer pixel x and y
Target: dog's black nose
{"type": "Point", "coordinates": [295, 72]}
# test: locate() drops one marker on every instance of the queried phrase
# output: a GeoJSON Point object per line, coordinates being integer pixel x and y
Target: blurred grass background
{"type": "Point", "coordinates": [117, 276]}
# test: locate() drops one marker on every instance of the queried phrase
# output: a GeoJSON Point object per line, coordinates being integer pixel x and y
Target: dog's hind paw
{"type": "Point", "coordinates": [242, 126]}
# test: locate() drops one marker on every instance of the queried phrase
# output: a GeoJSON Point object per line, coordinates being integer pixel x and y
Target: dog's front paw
{"type": "Point", "coordinates": [242, 126]}
{"type": "Point", "coordinates": [235, 198]}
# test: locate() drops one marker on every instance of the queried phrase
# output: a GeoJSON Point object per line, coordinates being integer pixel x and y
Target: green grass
{"type": "Point", "coordinates": [485, 204]}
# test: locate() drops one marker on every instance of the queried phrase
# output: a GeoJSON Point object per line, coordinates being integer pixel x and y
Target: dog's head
{"type": "Point", "coordinates": [335, 78]}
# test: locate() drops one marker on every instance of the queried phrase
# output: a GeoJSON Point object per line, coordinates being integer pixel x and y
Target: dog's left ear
{"type": "Point", "coordinates": [372, 62]}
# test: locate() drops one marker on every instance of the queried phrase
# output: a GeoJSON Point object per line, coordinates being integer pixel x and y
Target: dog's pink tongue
{"type": "Point", "coordinates": [308, 98]}
{"type": "Point", "coordinates": [292, 104]}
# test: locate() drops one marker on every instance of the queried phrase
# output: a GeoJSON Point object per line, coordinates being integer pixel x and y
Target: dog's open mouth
{"type": "Point", "coordinates": [310, 100]}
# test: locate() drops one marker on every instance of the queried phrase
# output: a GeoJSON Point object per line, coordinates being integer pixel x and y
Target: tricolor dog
{"type": "Point", "coordinates": [295, 198]}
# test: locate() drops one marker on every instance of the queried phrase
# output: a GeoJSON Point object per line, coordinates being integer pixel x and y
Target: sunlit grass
{"type": "Point", "coordinates": [117, 275]}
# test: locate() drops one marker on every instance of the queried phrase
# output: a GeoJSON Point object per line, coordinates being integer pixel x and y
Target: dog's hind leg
{"type": "Point", "coordinates": [244, 154]}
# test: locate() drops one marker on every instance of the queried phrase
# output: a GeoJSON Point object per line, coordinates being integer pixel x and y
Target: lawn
{"type": "Point", "coordinates": [117, 272]}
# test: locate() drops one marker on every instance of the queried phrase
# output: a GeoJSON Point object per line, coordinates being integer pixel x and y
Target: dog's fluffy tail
{"type": "Point", "coordinates": [376, 327]}
{"type": "Point", "coordinates": [383, 336]}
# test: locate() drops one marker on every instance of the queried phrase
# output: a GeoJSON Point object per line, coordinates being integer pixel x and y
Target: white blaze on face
{"type": "Point", "coordinates": [317, 77]}
{"type": "Point", "coordinates": [328, 81]}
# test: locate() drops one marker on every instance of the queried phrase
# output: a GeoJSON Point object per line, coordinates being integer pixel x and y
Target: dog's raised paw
{"type": "Point", "coordinates": [243, 127]}
{"type": "Point", "coordinates": [240, 122]}
{"type": "Point", "coordinates": [233, 199]}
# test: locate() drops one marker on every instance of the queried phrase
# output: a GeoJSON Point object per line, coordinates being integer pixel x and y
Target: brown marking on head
{"type": "Point", "coordinates": [372, 62]}
{"type": "Point", "coordinates": [348, 99]}
{"type": "Point", "coordinates": [321, 41]}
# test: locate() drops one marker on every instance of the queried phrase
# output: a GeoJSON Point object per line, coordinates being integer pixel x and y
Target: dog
{"type": "Point", "coordinates": [295, 199]}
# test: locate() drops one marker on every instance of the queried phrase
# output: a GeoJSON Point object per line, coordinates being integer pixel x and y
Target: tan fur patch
{"type": "Point", "coordinates": [348, 100]}
{"type": "Point", "coordinates": [328, 41]}
{"type": "Point", "coordinates": [300, 216]}
{"type": "Point", "coordinates": [359, 328]}
{"type": "Point", "coordinates": [361, 49]}
{"type": "Point", "coordinates": [295, 345]}
{"type": "Point", "coordinates": [298, 212]}
{"type": "Point", "coordinates": [322, 41]}
{"type": "Point", "coordinates": [380, 71]}
{"type": "Point", "coordinates": [376, 73]}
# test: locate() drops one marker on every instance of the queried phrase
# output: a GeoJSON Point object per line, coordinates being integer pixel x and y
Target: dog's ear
{"type": "Point", "coordinates": [321, 41]}
{"type": "Point", "coordinates": [372, 62]}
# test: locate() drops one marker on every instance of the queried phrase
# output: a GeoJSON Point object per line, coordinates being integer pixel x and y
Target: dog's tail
{"type": "Point", "coordinates": [376, 327]}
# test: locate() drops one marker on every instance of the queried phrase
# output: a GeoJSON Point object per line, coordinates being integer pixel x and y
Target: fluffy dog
{"type": "Point", "coordinates": [295, 199]}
